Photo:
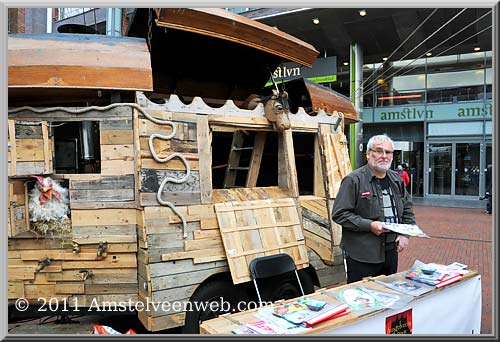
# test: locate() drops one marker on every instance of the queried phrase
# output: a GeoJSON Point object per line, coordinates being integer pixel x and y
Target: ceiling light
{"type": "Point", "coordinates": [428, 54]}
{"type": "Point", "coordinates": [362, 13]}
{"type": "Point", "coordinates": [346, 63]}
{"type": "Point", "coordinates": [385, 58]}
{"type": "Point", "coordinates": [477, 48]}
{"type": "Point", "coordinates": [315, 21]}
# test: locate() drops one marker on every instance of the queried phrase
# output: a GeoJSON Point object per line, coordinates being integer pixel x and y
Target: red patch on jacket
{"type": "Point", "coordinates": [366, 194]}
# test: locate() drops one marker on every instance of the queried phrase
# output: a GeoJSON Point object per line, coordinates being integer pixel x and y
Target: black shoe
{"type": "Point", "coordinates": [487, 212]}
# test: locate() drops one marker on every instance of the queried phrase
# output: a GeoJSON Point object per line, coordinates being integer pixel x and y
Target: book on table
{"type": "Point", "coordinates": [406, 286]}
{"type": "Point", "coordinates": [435, 274]}
{"type": "Point", "coordinates": [265, 327]}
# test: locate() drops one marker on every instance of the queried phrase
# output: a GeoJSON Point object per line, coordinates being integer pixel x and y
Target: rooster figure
{"type": "Point", "coordinates": [48, 200]}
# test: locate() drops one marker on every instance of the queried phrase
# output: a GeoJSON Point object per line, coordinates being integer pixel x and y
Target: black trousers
{"type": "Point", "coordinates": [357, 270]}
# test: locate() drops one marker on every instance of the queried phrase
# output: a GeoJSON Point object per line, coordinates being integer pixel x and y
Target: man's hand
{"type": "Point", "coordinates": [402, 242]}
{"type": "Point", "coordinates": [377, 227]}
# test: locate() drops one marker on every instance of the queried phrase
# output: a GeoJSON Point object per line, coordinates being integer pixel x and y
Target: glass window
{"type": "Point", "coordinates": [455, 79]}
{"type": "Point", "coordinates": [70, 12]}
{"type": "Point", "coordinates": [408, 82]}
{"type": "Point", "coordinates": [489, 76]}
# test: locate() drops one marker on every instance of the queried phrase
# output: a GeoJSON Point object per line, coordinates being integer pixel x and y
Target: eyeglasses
{"type": "Point", "coordinates": [380, 151]}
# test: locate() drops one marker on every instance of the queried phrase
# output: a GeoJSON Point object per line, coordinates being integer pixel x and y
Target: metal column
{"type": "Point", "coordinates": [114, 22]}
{"type": "Point", "coordinates": [356, 130]}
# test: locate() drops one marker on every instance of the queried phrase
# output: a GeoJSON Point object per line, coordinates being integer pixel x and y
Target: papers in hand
{"type": "Point", "coordinates": [406, 229]}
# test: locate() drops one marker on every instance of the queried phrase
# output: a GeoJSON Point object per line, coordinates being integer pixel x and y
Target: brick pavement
{"type": "Point", "coordinates": [457, 234]}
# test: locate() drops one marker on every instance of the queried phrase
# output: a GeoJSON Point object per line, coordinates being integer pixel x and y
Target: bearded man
{"type": "Point", "coordinates": [369, 197]}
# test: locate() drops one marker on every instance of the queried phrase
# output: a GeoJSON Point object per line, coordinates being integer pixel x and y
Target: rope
{"type": "Point", "coordinates": [150, 142]}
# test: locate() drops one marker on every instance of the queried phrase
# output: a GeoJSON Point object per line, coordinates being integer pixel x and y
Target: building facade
{"type": "Point", "coordinates": [439, 112]}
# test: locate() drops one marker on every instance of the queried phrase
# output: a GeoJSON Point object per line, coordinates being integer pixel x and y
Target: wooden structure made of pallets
{"type": "Point", "coordinates": [124, 243]}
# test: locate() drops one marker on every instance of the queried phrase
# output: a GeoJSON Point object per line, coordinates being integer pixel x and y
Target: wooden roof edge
{"type": "Point", "coordinates": [229, 109]}
{"type": "Point", "coordinates": [222, 24]}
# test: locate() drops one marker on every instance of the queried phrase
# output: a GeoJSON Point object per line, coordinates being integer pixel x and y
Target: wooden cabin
{"type": "Point", "coordinates": [169, 200]}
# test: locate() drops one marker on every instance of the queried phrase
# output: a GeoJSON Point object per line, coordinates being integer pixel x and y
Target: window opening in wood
{"type": "Point", "coordinates": [232, 159]}
{"type": "Point", "coordinates": [303, 145]}
{"type": "Point", "coordinates": [77, 147]}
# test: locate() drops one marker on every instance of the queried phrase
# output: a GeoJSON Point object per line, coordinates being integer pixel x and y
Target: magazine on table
{"type": "Point", "coordinates": [406, 286]}
{"type": "Point", "coordinates": [388, 300]}
{"type": "Point", "coordinates": [309, 311]}
{"type": "Point", "coordinates": [267, 314]}
{"type": "Point", "coordinates": [406, 229]}
{"type": "Point", "coordinates": [359, 300]}
{"type": "Point", "coordinates": [243, 329]}
{"type": "Point", "coordinates": [265, 327]}
{"type": "Point", "coordinates": [435, 274]}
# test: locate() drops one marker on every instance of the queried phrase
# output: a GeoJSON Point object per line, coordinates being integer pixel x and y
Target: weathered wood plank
{"type": "Point", "coordinates": [115, 288]}
{"type": "Point", "coordinates": [30, 149]}
{"type": "Point", "coordinates": [204, 138]}
{"type": "Point", "coordinates": [116, 137]}
{"type": "Point", "coordinates": [103, 230]}
{"type": "Point", "coordinates": [162, 322]}
{"type": "Point", "coordinates": [215, 252]}
{"type": "Point", "coordinates": [117, 125]}
{"type": "Point", "coordinates": [117, 152]}
{"type": "Point", "coordinates": [123, 112]}
{"type": "Point", "coordinates": [116, 195]}
{"type": "Point", "coordinates": [179, 266]}
{"type": "Point", "coordinates": [172, 164]}
{"type": "Point", "coordinates": [12, 148]}
{"type": "Point", "coordinates": [185, 198]}
{"type": "Point", "coordinates": [319, 183]}
{"type": "Point", "coordinates": [69, 288]}
{"type": "Point", "coordinates": [121, 260]}
{"type": "Point", "coordinates": [24, 131]}
{"type": "Point", "coordinates": [151, 180]}
{"type": "Point", "coordinates": [117, 167]}
{"type": "Point", "coordinates": [99, 276]}
{"type": "Point", "coordinates": [104, 183]}
{"type": "Point", "coordinates": [183, 279]}
{"type": "Point", "coordinates": [192, 245]}
{"type": "Point", "coordinates": [257, 152]}
{"type": "Point", "coordinates": [47, 143]}
{"type": "Point", "coordinates": [103, 217]}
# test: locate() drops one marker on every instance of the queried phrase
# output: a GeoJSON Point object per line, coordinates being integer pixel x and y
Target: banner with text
{"type": "Point", "coordinates": [323, 70]}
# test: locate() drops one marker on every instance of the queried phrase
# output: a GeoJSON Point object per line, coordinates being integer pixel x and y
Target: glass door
{"type": "Point", "coordinates": [440, 167]}
{"type": "Point", "coordinates": [467, 169]}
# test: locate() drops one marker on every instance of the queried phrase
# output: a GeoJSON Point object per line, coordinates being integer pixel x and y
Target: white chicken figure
{"type": "Point", "coordinates": [48, 200]}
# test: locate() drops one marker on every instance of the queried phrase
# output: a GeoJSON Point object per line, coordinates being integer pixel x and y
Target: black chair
{"type": "Point", "coordinates": [270, 266]}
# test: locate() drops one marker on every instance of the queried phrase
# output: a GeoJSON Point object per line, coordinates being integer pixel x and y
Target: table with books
{"type": "Point", "coordinates": [427, 299]}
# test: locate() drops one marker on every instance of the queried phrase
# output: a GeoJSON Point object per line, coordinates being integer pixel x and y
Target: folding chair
{"type": "Point", "coordinates": [270, 266]}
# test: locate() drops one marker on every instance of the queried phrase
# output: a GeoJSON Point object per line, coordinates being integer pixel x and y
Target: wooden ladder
{"type": "Point", "coordinates": [233, 164]}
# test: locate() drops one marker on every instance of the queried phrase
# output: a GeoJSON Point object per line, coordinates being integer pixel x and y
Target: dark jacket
{"type": "Point", "coordinates": [358, 203]}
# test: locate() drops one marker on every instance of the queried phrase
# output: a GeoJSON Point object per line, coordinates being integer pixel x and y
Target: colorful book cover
{"type": "Point", "coordinates": [289, 308]}
{"type": "Point", "coordinates": [400, 323]}
{"type": "Point", "coordinates": [327, 314]}
{"type": "Point", "coordinates": [359, 300]}
{"type": "Point", "coordinates": [386, 299]}
{"type": "Point", "coordinates": [265, 327]}
{"type": "Point", "coordinates": [242, 329]}
{"type": "Point", "coordinates": [406, 229]}
{"type": "Point", "coordinates": [310, 317]}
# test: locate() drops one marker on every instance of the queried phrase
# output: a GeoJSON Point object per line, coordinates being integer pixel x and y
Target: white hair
{"type": "Point", "coordinates": [378, 139]}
